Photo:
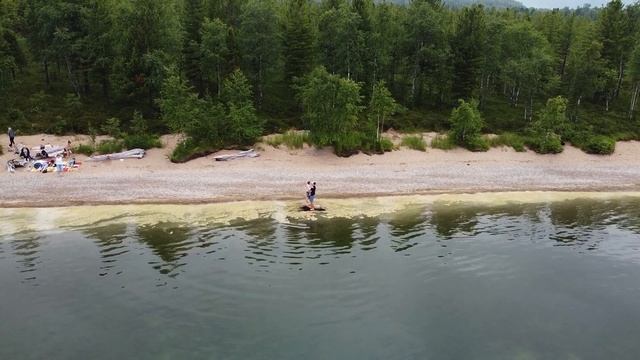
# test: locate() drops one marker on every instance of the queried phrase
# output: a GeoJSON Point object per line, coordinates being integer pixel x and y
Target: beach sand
{"type": "Point", "coordinates": [280, 174]}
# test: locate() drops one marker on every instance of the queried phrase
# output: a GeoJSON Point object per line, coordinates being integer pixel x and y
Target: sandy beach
{"type": "Point", "coordinates": [280, 174]}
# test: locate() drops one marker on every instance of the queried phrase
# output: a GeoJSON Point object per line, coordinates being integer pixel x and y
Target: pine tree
{"type": "Point", "coordinates": [468, 45]}
{"type": "Point", "coordinates": [634, 67]}
{"type": "Point", "coordinates": [298, 41]}
{"type": "Point", "coordinates": [615, 35]}
{"type": "Point", "coordinates": [259, 43]}
{"type": "Point", "coordinates": [242, 125]}
{"type": "Point", "coordinates": [363, 9]}
{"type": "Point", "coordinates": [191, 53]}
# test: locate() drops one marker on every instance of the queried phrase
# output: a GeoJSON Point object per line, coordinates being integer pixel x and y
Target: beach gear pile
{"type": "Point", "coordinates": [42, 159]}
{"type": "Point", "coordinates": [16, 163]}
{"type": "Point", "coordinates": [49, 158]}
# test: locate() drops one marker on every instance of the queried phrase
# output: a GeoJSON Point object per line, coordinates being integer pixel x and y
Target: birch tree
{"type": "Point", "coordinates": [331, 106]}
{"type": "Point", "coordinates": [259, 44]}
{"type": "Point", "coordinates": [634, 67]}
{"type": "Point", "coordinates": [381, 106]}
{"type": "Point", "coordinates": [214, 50]}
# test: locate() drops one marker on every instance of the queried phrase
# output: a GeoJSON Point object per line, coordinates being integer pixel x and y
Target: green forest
{"type": "Point", "coordinates": [225, 72]}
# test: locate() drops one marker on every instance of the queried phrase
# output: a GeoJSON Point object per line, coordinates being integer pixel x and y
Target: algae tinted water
{"type": "Point", "coordinates": [556, 280]}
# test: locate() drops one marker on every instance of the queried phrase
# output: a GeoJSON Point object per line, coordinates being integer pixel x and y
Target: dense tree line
{"type": "Point", "coordinates": [124, 55]}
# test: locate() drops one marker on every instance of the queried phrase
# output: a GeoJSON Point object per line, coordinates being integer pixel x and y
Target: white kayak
{"type": "Point", "coordinates": [242, 154]}
{"type": "Point", "coordinates": [129, 154]}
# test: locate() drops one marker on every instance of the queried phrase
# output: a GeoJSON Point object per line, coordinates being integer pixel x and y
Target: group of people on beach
{"type": "Point", "coordinates": [45, 158]}
{"type": "Point", "coordinates": [310, 194]}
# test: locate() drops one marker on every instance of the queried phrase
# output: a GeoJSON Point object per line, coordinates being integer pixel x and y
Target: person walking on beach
{"type": "Point", "coordinates": [12, 135]}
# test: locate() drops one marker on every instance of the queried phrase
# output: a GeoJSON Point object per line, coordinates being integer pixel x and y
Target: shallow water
{"type": "Point", "coordinates": [463, 279]}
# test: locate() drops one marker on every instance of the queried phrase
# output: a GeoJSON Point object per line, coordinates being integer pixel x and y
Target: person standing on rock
{"type": "Point", "coordinates": [312, 196]}
{"type": "Point", "coordinates": [12, 135]}
{"type": "Point", "coordinates": [306, 193]}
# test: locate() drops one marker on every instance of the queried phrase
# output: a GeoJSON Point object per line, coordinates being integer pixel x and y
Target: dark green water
{"type": "Point", "coordinates": [557, 280]}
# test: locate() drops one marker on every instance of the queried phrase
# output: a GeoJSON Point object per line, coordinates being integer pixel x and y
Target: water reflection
{"type": "Point", "coordinates": [453, 220]}
{"type": "Point", "coordinates": [513, 281]}
{"type": "Point", "coordinates": [260, 237]}
{"type": "Point", "coordinates": [318, 240]}
{"type": "Point", "coordinates": [587, 224]}
{"type": "Point", "coordinates": [366, 233]}
{"type": "Point", "coordinates": [170, 242]}
{"type": "Point", "coordinates": [583, 223]}
{"type": "Point", "coordinates": [26, 249]}
{"type": "Point", "coordinates": [334, 234]}
{"type": "Point", "coordinates": [112, 243]}
{"type": "Point", "coordinates": [406, 226]}
{"type": "Point", "coordinates": [265, 242]}
{"type": "Point", "coordinates": [626, 214]}
{"type": "Point", "coordinates": [326, 238]}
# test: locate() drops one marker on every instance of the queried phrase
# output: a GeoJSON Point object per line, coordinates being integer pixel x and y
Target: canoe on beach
{"type": "Point", "coordinates": [248, 153]}
{"type": "Point", "coordinates": [129, 154]}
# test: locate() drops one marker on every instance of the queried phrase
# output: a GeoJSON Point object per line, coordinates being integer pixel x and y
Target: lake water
{"type": "Point", "coordinates": [421, 279]}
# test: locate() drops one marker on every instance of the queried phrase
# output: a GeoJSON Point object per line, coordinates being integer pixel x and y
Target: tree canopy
{"type": "Point", "coordinates": [168, 59]}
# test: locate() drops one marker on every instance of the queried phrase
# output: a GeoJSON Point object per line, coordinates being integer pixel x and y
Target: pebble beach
{"type": "Point", "coordinates": [280, 174]}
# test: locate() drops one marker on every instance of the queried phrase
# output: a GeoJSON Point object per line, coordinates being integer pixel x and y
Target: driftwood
{"type": "Point", "coordinates": [129, 154]}
{"type": "Point", "coordinates": [242, 154]}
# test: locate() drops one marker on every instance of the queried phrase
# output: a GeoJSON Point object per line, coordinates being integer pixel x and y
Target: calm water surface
{"type": "Point", "coordinates": [558, 280]}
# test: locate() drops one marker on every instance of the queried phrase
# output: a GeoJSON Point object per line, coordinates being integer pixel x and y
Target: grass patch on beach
{"type": "Point", "coordinates": [545, 144]}
{"type": "Point", "coordinates": [626, 136]}
{"type": "Point", "coordinates": [415, 142]}
{"type": "Point", "coordinates": [188, 149]}
{"type": "Point", "coordinates": [84, 149]}
{"type": "Point", "coordinates": [291, 139]}
{"type": "Point", "coordinates": [443, 142]}
{"type": "Point", "coordinates": [600, 145]}
{"type": "Point", "coordinates": [109, 147]}
{"type": "Point", "coordinates": [142, 141]}
{"type": "Point", "coordinates": [386, 145]}
{"type": "Point", "coordinates": [508, 139]}
{"type": "Point", "coordinates": [477, 144]}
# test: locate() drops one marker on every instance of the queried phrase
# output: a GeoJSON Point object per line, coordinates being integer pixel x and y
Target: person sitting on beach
{"type": "Point", "coordinates": [67, 150]}
{"type": "Point", "coordinates": [43, 153]}
{"type": "Point", "coordinates": [25, 153]}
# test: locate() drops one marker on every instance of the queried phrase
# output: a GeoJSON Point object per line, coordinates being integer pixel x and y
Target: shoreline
{"type": "Point", "coordinates": [279, 174]}
{"type": "Point", "coordinates": [581, 193]}
{"type": "Point", "coordinates": [31, 219]}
